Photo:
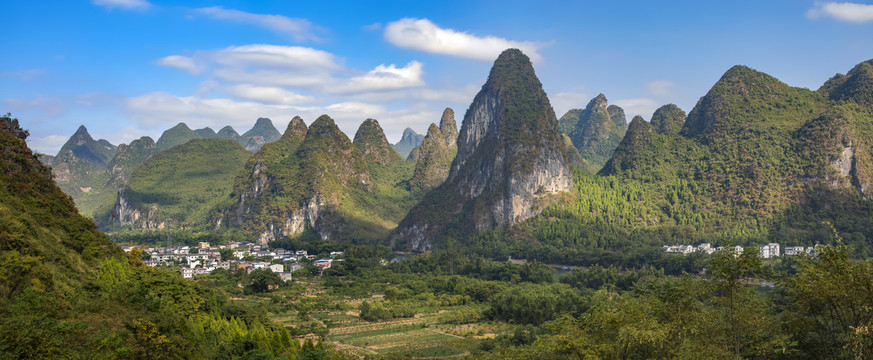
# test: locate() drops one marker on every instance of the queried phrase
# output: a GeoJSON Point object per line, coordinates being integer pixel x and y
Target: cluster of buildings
{"type": "Point", "coordinates": [770, 250]}
{"type": "Point", "coordinates": [204, 259]}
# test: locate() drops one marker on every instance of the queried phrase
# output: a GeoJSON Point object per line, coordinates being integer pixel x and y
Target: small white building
{"type": "Point", "coordinates": [187, 273]}
{"type": "Point", "coordinates": [277, 268]}
{"type": "Point", "coordinates": [770, 250]}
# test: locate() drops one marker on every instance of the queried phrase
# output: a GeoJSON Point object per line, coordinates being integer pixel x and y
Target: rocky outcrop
{"type": "Point", "coordinates": [133, 216]}
{"type": "Point", "coordinates": [449, 128]}
{"type": "Point", "coordinates": [371, 141]}
{"type": "Point", "coordinates": [127, 158]}
{"type": "Point", "coordinates": [255, 143]}
{"type": "Point", "coordinates": [599, 128]}
{"type": "Point", "coordinates": [510, 155]}
{"type": "Point", "coordinates": [409, 141]}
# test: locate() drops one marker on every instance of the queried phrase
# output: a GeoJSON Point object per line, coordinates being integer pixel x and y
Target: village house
{"type": "Point", "coordinates": [770, 250]}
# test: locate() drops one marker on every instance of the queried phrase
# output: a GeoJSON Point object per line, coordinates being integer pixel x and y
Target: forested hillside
{"type": "Point", "coordinates": [67, 292]}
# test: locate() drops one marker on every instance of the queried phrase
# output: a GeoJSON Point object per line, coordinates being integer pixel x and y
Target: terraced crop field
{"type": "Point", "coordinates": [408, 337]}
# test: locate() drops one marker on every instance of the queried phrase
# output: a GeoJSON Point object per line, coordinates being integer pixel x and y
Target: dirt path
{"type": "Point", "coordinates": [445, 333]}
{"type": "Point", "coordinates": [347, 346]}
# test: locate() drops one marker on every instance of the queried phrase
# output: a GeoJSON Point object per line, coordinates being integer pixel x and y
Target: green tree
{"type": "Point", "coordinates": [262, 280]}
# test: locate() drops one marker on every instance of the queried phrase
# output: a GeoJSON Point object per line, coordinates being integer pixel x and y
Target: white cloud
{"type": "Point", "coordinates": [842, 11]}
{"type": "Point", "coordinates": [661, 88]}
{"type": "Point", "coordinates": [384, 78]}
{"type": "Point", "coordinates": [294, 57]}
{"type": "Point", "coordinates": [296, 29]}
{"type": "Point", "coordinates": [268, 94]}
{"type": "Point", "coordinates": [180, 62]}
{"type": "Point", "coordinates": [123, 4]}
{"type": "Point", "coordinates": [641, 106]}
{"type": "Point", "coordinates": [423, 35]}
{"type": "Point", "coordinates": [262, 65]}
{"type": "Point", "coordinates": [564, 101]}
{"type": "Point", "coordinates": [50, 144]}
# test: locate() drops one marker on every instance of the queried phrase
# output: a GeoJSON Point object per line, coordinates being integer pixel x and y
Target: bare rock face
{"type": "Point", "coordinates": [449, 128]}
{"type": "Point", "coordinates": [143, 218]}
{"type": "Point", "coordinates": [255, 143]}
{"type": "Point", "coordinates": [510, 154]}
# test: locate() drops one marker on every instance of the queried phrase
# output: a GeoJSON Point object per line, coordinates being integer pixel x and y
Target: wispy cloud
{"type": "Point", "coordinates": [50, 107]}
{"type": "Point", "coordinates": [296, 29]}
{"type": "Point", "coordinates": [842, 11]}
{"type": "Point", "coordinates": [661, 88]}
{"type": "Point", "coordinates": [263, 67]}
{"type": "Point", "coordinates": [123, 4]}
{"type": "Point", "coordinates": [385, 78]}
{"type": "Point", "coordinates": [180, 62]}
{"type": "Point", "coordinates": [268, 94]}
{"type": "Point", "coordinates": [50, 144]}
{"type": "Point", "coordinates": [423, 35]}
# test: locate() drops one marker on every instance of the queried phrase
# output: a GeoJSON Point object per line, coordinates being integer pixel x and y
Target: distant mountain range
{"type": "Point", "coordinates": [755, 158]}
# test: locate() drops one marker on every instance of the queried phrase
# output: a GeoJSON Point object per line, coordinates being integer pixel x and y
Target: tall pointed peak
{"type": "Point", "coordinates": [296, 128]}
{"type": "Point", "coordinates": [370, 132]}
{"type": "Point", "coordinates": [82, 130]}
{"type": "Point", "coordinates": [434, 131]}
{"type": "Point", "coordinates": [370, 139]}
{"type": "Point", "coordinates": [323, 126]}
{"type": "Point", "coordinates": [448, 127]}
{"type": "Point", "coordinates": [264, 127]}
{"type": "Point", "coordinates": [409, 132]}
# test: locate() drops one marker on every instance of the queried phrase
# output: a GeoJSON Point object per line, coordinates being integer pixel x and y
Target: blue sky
{"type": "Point", "coordinates": [130, 68]}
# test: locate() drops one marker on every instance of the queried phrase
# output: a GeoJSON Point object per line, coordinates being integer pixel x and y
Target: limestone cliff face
{"type": "Point", "coordinates": [127, 158]}
{"type": "Point", "coordinates": [510, 153]}
{"type": "Point", "coordinates": [831, 142]}
{"type": "Point", "coordinates": [136, 217]}
{"type": "Point", "coordinates": [299, 179]}
{"type": "Point", "coordinates": [449, 128]}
